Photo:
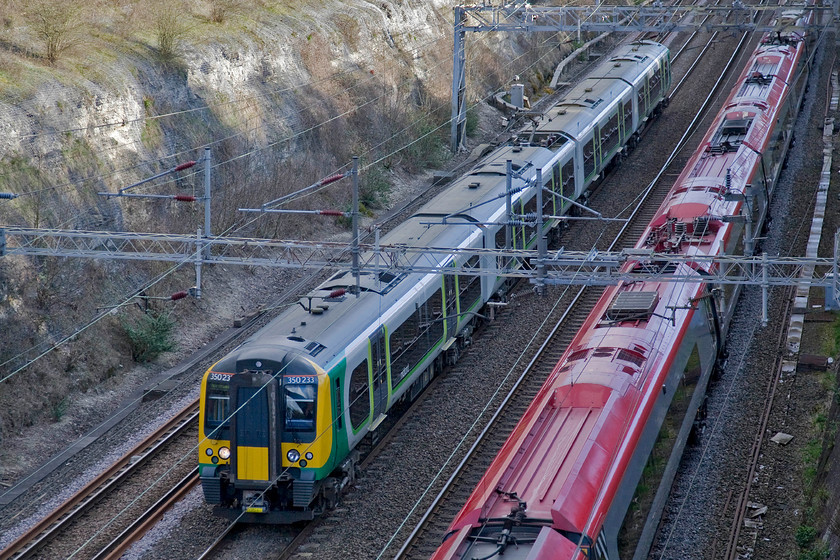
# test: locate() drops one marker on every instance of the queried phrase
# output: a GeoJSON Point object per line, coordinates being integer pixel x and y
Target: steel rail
{"type": "Point", "coordinates": [134, 532]}
{"type": "Point", "coordinates": [31, 541]}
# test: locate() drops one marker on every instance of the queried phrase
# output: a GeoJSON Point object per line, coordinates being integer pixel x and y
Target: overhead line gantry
{"type": "Point", "coordinates": [601, 18]}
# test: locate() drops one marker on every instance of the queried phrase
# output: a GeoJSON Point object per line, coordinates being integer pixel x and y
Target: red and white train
{"type": "Point", "coordinates": [610, 423]}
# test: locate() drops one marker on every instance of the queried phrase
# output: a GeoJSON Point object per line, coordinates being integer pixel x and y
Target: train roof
{"type": "Point", "coordinates": [729, 152]}
{"type": "Point", "coordinates": [476, 198]}
{"type": "Point", "coordinates": [558, 457]}
{"type": "Point", "coordinates": [612, 79]}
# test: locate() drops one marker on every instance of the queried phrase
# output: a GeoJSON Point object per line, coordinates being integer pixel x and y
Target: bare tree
{"type": "Point", "coordinates": [57, 23]}
{"type": "Point", "coordinates": [221, 9]}
{"type": "Point", "coordinates": [170, 27]}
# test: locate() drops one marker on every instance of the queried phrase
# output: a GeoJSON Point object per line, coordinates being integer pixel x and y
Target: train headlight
{"type": "Point", "coordinates": [224, 453]}
{"type": "Point", "coordinates": [209, 451]}
{"type": "Point", "coordinates": [293, 455]}
{"type": "Point", "coordinates": [309, 455]}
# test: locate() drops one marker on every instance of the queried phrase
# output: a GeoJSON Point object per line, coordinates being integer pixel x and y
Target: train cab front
{"type": "Point", "coordinates": [268, 437]}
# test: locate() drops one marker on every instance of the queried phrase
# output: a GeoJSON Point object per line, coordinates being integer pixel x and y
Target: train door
{"type": "Point", "coordinates": [642, 99]}
{"type": "Point", "coordinates": [627, 122]}
{"type": "Point", "coordinates": [451, 296]}
{"type": "Point", "coordinates": [379, 371]}
{"type": "Point", "coordinates": [567, 184]}
{"type": "Point", "coordinates": [610, 136]}
{"type": "Point", "coordinates": [655, 88]}
{"type": "Point", "coordinates": [254, 433]}
{"type": "Point", "coordinates": [589, 151]}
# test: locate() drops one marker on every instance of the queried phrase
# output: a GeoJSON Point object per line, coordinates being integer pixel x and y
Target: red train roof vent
{"type": "Point", "coordinates": [632, 306]}
{"type": "Point", "coordinates": [580, 354]}
{"type": "Point", "coordinates": [630, 356]}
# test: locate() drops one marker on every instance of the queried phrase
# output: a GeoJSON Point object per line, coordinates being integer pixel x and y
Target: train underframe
{"type": "Point", "coordinates": [288, 500]}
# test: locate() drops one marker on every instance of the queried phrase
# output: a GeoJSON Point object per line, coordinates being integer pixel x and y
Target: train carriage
{"type": "Point", "coordinates": [606, 112]}
{"type": "Point", "coordinates": [283, 414]}
{"type": "Point", "coordinates": [634, 377]}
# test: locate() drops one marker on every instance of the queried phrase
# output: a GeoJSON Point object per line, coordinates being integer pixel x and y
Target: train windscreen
{"type": "Point", "coordinates": [300, 392]}
{"type": "Point", "coordinates": [217, 407]}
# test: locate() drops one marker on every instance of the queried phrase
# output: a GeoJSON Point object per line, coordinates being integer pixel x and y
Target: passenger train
{"type": "Point", "coordinates": [282, 416]}
{"type": "Point", "coordinates": [628, 391]}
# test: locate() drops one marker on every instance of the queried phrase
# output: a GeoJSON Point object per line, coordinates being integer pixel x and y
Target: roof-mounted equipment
{"type": "Point", "coordinates": [632, 306]}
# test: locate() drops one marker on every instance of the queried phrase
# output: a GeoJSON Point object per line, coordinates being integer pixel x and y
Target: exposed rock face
{"type": "Point", "coordinates": [284, 93]}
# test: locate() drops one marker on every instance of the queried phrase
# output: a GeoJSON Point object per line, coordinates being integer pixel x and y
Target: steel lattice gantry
{"type": "Point", "coordinates": [601, 18]}
{"type": "Point", "coordinates": [558, 267]}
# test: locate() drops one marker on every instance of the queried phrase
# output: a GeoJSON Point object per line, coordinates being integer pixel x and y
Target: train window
{"type": "Point", "coordinates": [655, 87]}
{"type": "Point", "coordinates": [609, 134]}
{"type": "Point", "coordinates": [643, 105]}
{"type": "Point", "coordinates": [531, 231]}
{"type": "Point", "coordinates": [627, 111]}
{"type": "Point", "coordinates": [406, 348]}
{"type": "Point", "coordinates": [433, 317]}
{"type": "Point", "coordinates": [469, 287]}
{"type": "Point", "coordinates": [588, 156]}
{"type": "Point", "coordinates": [415, 337]}
{"type": "Point", "coordinates": [217, 409]}
{"type": "Point", "coordinates": [568, 186]}
{"type": "Point", "coordinates": [501, 236]}
{"type": "Point", "coordinates": [359, 395]}
{"type": "Point", "coordinates": [300, 406]}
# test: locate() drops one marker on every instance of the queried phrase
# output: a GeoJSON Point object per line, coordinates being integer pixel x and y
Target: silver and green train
{"type": "Point", "coordinates": [283, 414]}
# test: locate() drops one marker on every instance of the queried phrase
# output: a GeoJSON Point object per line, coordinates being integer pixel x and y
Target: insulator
{"type": "Point", "coordinates": [184, 198]}
{"type": "Point", "coordinates": [337, 293]}
{"type": "Point", "coordinates": [7, 195]}
{"type": "Point", "coordinates": [332, 179]}
{"type": "Point", "coordinates": [331, 212]}
{"type": "Point", "coordinates": [178, 295]}
{"type": "Point", "coordinates": [183, 166]}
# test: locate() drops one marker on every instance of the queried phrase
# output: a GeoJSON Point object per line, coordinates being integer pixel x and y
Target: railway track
{"type": "Point", "coordinates": [425, 538]}
{"type": "Point", "coordinates": [741, 500]}
{"type": "Point", "coordinates": [67, 520]}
